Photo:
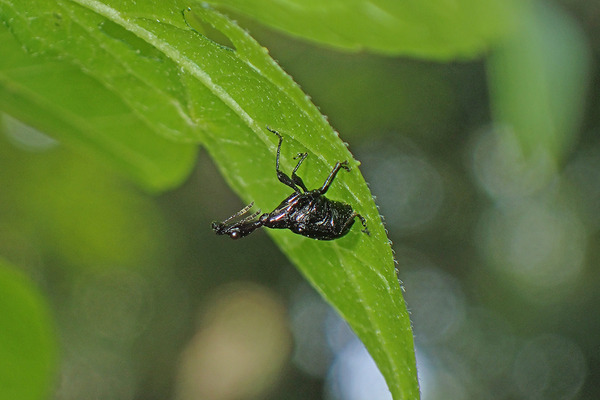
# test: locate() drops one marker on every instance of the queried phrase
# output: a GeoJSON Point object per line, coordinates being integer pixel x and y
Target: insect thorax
{"type": "Point", "coordinates": [310, 214]}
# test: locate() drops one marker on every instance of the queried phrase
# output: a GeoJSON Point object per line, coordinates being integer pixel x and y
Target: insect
{"type": "Point", "coordinates": [305, 212]}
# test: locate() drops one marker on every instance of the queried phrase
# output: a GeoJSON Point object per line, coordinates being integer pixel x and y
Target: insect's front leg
{"type": "Point", "coordinates": [297, 180]}
{"type": "Point", "coordinates": [283, 178]}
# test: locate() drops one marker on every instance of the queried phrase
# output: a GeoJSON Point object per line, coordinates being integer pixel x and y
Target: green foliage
{"type": "Point", "coordinates": [537, 77]}
{"type": "Point", "coordinates": [174, 83]}
{"type": "Point", "coordinates": [28, 343]}
{"type": "Point", "coordinates": [435, 29]}
{"type": "Point", "coordinates": [61, 99]}
{"type": "Point", "coordinates": [140, 84]}
{"type": "Point", "coordinates": [76, 209]}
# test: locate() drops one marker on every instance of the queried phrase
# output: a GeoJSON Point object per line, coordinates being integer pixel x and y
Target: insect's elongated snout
{"type": "Point", "coordinates": [239, 229]}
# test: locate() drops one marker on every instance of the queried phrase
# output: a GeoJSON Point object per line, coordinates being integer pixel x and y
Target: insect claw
{"type": "Point", "coordinates": [363, 221]}
{"type": "Point", "coordinates": [300, 155]}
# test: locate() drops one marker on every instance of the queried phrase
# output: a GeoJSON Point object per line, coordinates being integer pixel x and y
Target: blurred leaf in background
{"type": "Point", "coordinates": [28, 343]}
{"type": "Point", "coordinates": [436, 29]}
{"type": "Point", "coordinates": [60, 98]}
{"type": "Point", "coordinates": [538, 79]}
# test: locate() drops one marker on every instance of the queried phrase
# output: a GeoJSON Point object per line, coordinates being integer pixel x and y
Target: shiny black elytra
{"type": "Point", "coordinates": [305, 212]}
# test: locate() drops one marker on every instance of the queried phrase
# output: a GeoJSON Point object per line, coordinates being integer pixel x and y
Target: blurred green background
{"type": "Point", "coordinates": [497, 247]}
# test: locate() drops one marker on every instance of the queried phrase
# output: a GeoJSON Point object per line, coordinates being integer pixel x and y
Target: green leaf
{"type": "Point", "coordinates": [222, 92]}
{"type": "Point", "coordinates": [538, 79]}
{"type": "Point", "coordinates": [434, 29]}
{"type": "Point", "coordinates": [28, 343]}
{"type": "Point", "coordinates": [59, 99]}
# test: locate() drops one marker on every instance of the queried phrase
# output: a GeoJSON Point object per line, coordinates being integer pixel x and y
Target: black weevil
{"type": "Point", "coordinates": [305, 212]}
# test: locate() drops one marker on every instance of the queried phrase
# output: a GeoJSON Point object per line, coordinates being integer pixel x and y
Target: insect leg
{"type": "Point", "coordinates": [363, 221]}
{"type": "Point", "coordinates": [331, 177]}
{"type": "Point", "coordinates": [283, 178]}
{"type": "Point", "coordinates": [297, 180]}
{"type": "Point", "coordinates": [350, 221]}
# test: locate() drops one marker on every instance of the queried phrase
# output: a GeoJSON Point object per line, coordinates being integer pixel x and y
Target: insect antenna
{"type": "Point", "coordinates": [248, 218]}
{"type": "Point", "coordinates": [241, 228]}
{"type": "Point", "coordinates": [240, 213]}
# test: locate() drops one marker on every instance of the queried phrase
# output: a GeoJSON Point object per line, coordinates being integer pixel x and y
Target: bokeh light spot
{"type": "Point", "coordinates": [240, 348]}
{"type": "Point", "coordinates": [584, 174]}
{"type": "Point", "coordinates": [436, 303]}
{"type": "Point", "coordinates": [502, 169]}
{"type": "Point", "coordinates": [549, 367]}
{"type": "Point", "coordinates": [537, 246]}
{"type": "Point", "coordinates": [25, 137]}
{"type": "Point", "coordinates": [354, 376]}
{"type": "Point", "coordinates": [308, 315]}
{"type": "Point", "coordinates": [408, 188]}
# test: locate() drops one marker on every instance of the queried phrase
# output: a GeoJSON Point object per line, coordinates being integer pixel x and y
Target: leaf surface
{"type": "Point", "coordinates": [194, 76]}
{"type": "Point", "coordinates": [58, 98]}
